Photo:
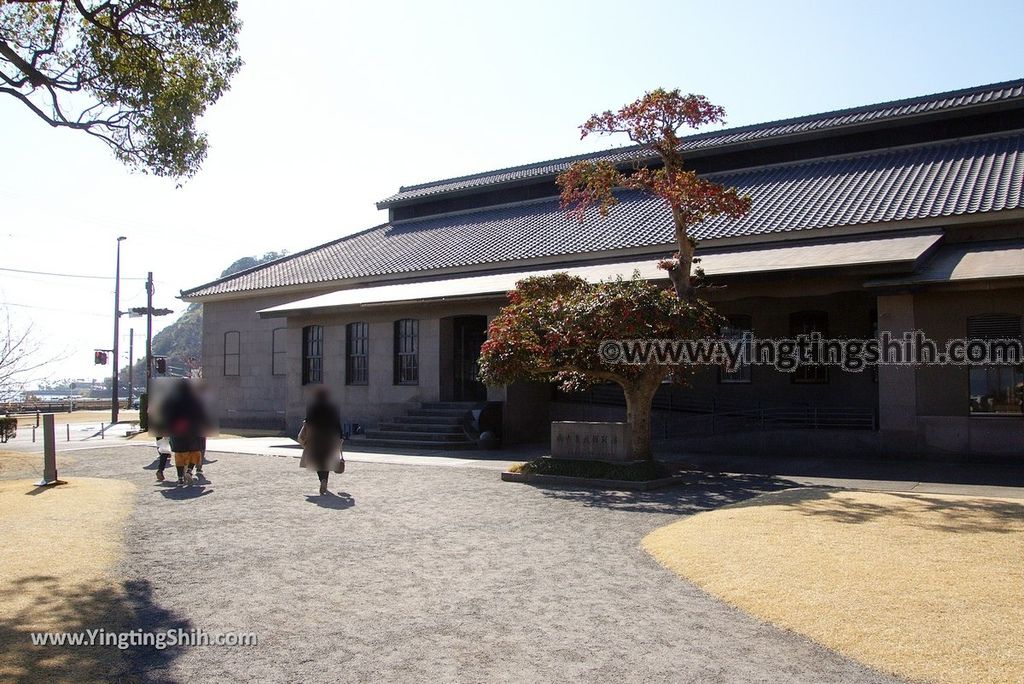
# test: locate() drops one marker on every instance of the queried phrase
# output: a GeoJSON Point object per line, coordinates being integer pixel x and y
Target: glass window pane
{"type": "Point", "coordinates": [996, 389]}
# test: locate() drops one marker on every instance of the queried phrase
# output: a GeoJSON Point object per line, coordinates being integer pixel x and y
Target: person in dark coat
{"type": "Point", "coordinates": [186, 421]}
{"type": "Point", "coordinates": [321, 437]}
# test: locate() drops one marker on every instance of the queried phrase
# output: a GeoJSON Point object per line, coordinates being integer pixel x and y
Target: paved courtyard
{"type": "Point", "coordinates": [423, 573]}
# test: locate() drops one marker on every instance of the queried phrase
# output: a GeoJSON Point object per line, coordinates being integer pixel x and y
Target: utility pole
{"type": "Point", "coordinates": [131, 362]}
{"type": "Point", "coordinates": [149, 330]}
{"type": "Point", "coordinates": [148, 311]}
{"type": "Point", "coordinates": [117, 320]}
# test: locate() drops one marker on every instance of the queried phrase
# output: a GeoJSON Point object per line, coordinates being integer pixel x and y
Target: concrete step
{"type": "Point", "coordinates": [415, 436]}
{"type": "Point", "coordinates": [461, 405]}
{"type": "Point", "coordinates": [402, 425]}
{"type": "Point", "coordinates": [388, 444]}
{"type": "Point", "coordinates": [429, 420]}
{"type": "Point", "coordinates": [452, 412]}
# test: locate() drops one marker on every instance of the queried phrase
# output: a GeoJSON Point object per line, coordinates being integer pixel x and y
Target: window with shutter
{"type": "Point", "coordinates": [995, 389]}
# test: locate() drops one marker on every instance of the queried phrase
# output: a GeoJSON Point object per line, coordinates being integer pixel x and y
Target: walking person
{"type": "Point", "coordinates": [186, 419]}
{"type": "Point", "coordinates": [163, 449]}
{"type": "Point", "coordinates": [321, 438]}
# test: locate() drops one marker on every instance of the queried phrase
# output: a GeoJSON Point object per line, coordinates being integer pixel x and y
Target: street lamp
{"type": "Point", "coordinates": [117, 319]}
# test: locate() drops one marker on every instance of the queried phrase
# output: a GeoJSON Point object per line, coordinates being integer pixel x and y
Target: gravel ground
{"type": "Point", "coordinates": [417, 573]}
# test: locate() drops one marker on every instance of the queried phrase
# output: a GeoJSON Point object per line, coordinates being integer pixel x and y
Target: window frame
{"type": "Point", "coordinates": [815, 373]}
{"type": "Point", "coordinates": [279, 367]}
{"type": "Point", "coordinates": [312, 354]}
{"type": "Point", "coordinates": [980, 326]}
{"type": "Point", "coordinates": [357, 353]}
{"type": "Point", "coordinates": [234, 356]}
{"type": "Point", "coordinates": [406, 352]}
{"type": "Point", "coordinates": [741, 323]}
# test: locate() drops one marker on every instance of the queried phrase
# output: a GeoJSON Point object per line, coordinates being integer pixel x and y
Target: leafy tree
{"type": "Point", "coordinates": [653, 122]}
{"type": "Point", "coordinates": [552, 328]}
{"type": "Point", "coordinates": [136, 74]}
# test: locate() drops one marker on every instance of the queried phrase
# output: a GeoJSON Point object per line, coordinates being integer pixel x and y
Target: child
{"type": "Point", "coordinates": [163, 447]}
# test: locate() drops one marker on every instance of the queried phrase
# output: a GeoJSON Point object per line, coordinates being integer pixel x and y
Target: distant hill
{"type": "Point", "coordinates": [182, 341]}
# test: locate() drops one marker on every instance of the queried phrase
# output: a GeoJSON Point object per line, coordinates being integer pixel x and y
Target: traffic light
{"type": "Point", "coordinates": [100, 358]}
{"type": "Point", "coordinates": [161, 365]}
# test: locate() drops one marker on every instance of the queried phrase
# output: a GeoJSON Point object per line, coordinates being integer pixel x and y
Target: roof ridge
{"type": "Point", "coordinates": [804, 118]}
{"type": "Point", "coordinates": [532, 165]}
{"type": "Point", "coordinates": [864, 154]}
{"type": "Point", "coordinates": [281, 259]}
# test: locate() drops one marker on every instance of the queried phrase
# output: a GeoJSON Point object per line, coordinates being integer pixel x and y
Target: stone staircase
{"type": "Point", "coordinates": [434, 425]}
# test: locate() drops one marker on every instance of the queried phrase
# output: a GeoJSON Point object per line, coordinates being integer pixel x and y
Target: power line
{"type": "Point", "coordinates": [66, 275]}
{"type": "Point", "coordinates": [48, 308]}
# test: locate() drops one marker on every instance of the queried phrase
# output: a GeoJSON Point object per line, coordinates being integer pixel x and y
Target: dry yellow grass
{"type": "Point", "coordinates": [927, 587]}
{"type": "Point", "coordinates": [22, 464]}
{"type": "Point", "coordinates": [59, 546]}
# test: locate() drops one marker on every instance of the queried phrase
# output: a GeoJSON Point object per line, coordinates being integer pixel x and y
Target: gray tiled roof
{"type": "Point", "coordinates": [745, 134]}
{"type": "Point", "coordinates": [945, 179]}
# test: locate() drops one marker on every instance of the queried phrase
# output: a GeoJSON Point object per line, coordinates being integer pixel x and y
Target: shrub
{"type": "Point", "coordinates": [8, 428]}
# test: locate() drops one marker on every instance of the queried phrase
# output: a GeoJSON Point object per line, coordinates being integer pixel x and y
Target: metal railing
{"type": "Point", "coordinates": [57, 406]}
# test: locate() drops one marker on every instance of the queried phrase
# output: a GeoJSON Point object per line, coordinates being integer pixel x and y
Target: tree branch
{"type": "Point", "coordinates": [35, 77]}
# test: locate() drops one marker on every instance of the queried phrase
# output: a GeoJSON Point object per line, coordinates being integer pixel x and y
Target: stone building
{"type": "Point", "coordinates": [901, 216]}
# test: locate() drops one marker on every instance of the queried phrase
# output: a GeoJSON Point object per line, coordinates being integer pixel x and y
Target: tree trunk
{"type": "Point", "coordinates": [680, 275]}
{"type": "Point", "coordinates": [639, 396]}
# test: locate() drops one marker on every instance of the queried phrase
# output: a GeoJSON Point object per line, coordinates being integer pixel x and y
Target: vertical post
{"type": "Point", "coordinates": [117, 320]}
{"type": "Point", "coordinates": [131, 360]}
{"type": "Point", "coordinates": [149, 330]}
{"type": "Point", "coordinates": [49, 452]}
{"type": "Point", "coordinates": [68, 427]}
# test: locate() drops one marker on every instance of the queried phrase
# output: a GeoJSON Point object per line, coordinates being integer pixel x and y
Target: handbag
{"type": "Point", "coordinates": [339, 467]}
{"type": "Point", "coordinates": [301, 439]}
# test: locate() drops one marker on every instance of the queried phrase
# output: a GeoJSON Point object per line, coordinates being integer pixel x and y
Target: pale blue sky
{"type": "Point", "coordinates": [340, 103]}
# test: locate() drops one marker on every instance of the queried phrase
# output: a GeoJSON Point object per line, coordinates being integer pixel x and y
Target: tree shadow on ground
{"type": "Point", "coordinates": [941, 514]}
{"type": "Point", "coordinates": [701, 492]}
{"type": "Point", "coordinates": [57, 606]}
{"type": "Point", "coordinates": [335, 500]}
{"type": "Point", "coordinates": [907, 470]}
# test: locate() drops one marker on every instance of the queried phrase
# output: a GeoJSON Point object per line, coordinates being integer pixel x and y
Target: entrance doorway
{"type": "Point", "coordinates": [469, 334]}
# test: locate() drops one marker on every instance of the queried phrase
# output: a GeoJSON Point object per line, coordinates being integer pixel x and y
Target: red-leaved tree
{"type": "Point", "coordinates": [552, 328]}
{"type": "Point", "coordinates": [654, 122]}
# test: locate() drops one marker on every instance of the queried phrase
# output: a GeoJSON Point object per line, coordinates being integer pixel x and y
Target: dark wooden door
{"type": "Point", "coordinates": [470, 333]}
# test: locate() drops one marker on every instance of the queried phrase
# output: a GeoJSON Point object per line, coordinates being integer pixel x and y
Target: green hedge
{"type": "Point", "coordinates": [633, 472]}
{"type": "Point", "coordinates": [8, 428]}
{"type": "Point", "coordinates": [144, 411]}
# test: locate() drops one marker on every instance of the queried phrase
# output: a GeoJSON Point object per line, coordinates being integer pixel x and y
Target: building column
{"type": "Point", "coordinates": [897, 385]}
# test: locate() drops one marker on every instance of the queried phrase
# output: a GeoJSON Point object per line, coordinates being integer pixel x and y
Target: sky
{"type": "Point", "coordinates": [340, 103]}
